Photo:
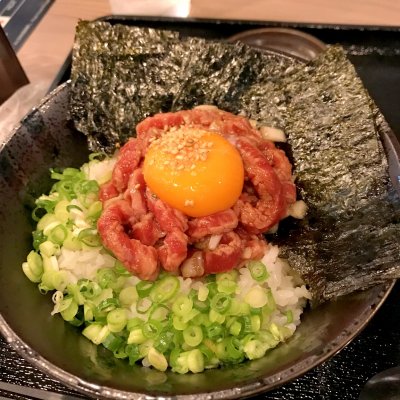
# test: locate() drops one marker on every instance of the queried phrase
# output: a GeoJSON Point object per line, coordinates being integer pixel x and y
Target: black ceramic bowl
{"type": "Point", "coordinates": [45, 139]}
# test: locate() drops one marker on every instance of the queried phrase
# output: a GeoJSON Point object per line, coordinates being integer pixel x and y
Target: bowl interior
{"type": "Point", "coordinates": [291, 42]}
{"type": "Point", "coordinates": [45, 139]}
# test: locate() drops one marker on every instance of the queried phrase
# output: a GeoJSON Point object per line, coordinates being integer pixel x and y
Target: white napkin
{"type": "Point", "coordinates": [171, 8]}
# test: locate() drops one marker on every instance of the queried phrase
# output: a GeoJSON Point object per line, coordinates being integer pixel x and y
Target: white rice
{"type": "Point", "coordinates": [83, 264]}
{"type": "Point", "coordinates": [288, 296]}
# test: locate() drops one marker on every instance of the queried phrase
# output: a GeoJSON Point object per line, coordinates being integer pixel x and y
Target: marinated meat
{"type": "Point", "coordinates": [222, 222]}
{"type": "Point", "coordinates": [146, 233]}
{"type": "Point", "coordinates": [114, 226]}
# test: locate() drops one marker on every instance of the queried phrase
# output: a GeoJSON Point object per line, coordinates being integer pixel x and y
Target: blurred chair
{"type": "Point", "coordinates": [12, 76]}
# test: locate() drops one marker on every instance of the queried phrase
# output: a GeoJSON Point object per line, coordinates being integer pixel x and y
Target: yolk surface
{"type": "Point", "coordinates": [197, 172]}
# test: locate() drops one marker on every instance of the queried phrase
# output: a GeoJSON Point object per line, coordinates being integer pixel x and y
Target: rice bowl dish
{"type": "Point", "coordinates": [186, 323]}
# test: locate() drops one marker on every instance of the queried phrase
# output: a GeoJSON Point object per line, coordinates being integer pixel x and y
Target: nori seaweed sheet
{"type": "Point", "coordinates": [121, 75]}
{"type": "Point", "coordinates": [350, 237]}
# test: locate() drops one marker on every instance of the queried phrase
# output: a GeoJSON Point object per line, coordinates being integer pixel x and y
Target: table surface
{"type": "Point", "coordinates": [48, 46]}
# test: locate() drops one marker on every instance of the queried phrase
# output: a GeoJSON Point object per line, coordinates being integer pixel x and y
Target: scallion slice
{"type": "Point", "coordinates": [258, 271]}
{"type": "Point", "coordinates": [143, 288]}
{"type": "Point", "coordinates": [89, 237]}
{"type": "Point", "coordinates": [164, 289]}
{"type": "Point", "coordinates": [193, 335]}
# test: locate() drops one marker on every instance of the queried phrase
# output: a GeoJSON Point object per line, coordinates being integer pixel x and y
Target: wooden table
{"type": "Point", "coordinates": [48, 46]}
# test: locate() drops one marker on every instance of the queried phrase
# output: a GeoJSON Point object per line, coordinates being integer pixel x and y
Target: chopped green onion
{"type": "Point", "coordinates": [143, 305]}
{"type": "Point", "coordinates": [46, 221]}
{"type": "Point", "coordinates": [69, 313]}
{"type": "Point", "coordinates": [89, 237]}
{"type": "Point", "coordinates": [164, 341]}
{"type": "Point", "coordinates": [164, 289]}
{"type": "Point", "coordinates": [254, 349]}
{"type": "Point", "coordinates": [202, 306]}
{"type": "Point", "coordinates": [89, 289]}
{"type": "Point", "coordinates": [88, 313]}
{"type": "Point", "coordinates": [159, 312]}
{"type": "Point", "coordinates": [182, 305]}
{"type": "Point", "coordinates": [94, 210]}
{"type": "Point", "coordinates": [178, 361]}
{"type": "Point", "coordinates": [157, 359]}
{"type": "Point", "coordinates": [215, 316]}
{"type": "Point", "coordinates": [227, 287]}
{"type": "Point", "coordinates": [72, 242]}
{"type": "Point", "coordinates": [255, 323]}
{"type": "Point", "coordinates": [34, 266]}
{"type": "Point", "coordinates": [145, 347]}
{"type": "Point", "coordinates": [134, 323]}
{"type": "Point", "coordinates": [193, 335]}
{"type": "Point", "coordinates": [258, 271]}
{"type": "Point", "coordinates": [236, 328]}
{"type": "Point", "coordinates": [108, 305]}
{"type": "Point", "coordinates": [112, 342]}
{"type": "Point", "coordinates": [215, 331]}
{"type": "Point", "coordinates": [38, 238]}
{"type": "Point", "coordinates": [143, 288]}
{"type": "Point", "coordinates": [193, 313]}
{"type": "Point", "coordinates": [120, 269]}
{"type": "Point", "coordinates": [203, 293]}
{"type": "Point", "coordinates": [58, 234]}
{"type": "Point", "coordinates": [267, 338]}
{"type": "Point", "coordinates": [49, 248]}
{"type": "Point", "coordinates": [256, 297]}
{"type": "Point", "coordinates": [212, 289]}
{"type": "Point", "coordinates": [151, 329]}
{"type": "Point", "coordinates": [105, 277]}
{"type": "Point", "coordinates": [247, 326]}
{"type": "Point", "coordinates": [117, 319]}
{"type": "Point", "coordinates": [220, 303]}
{"type": "Point", "coordinates": [195, 361]}
{"type": "Point", "coordinates": [226, 282]}
{"type": "Point", "coordinates": [52, 279]}
{"type": "Point", "coordinates": [289, 316]}
{"type": "Point", "coordinates": [73, 207]}
{"type": "Point", "coordinates": [178, 323]}
{"type": "Point", "coordinates": [61, 212]}
{"type": "Point", "coordinates": [136, 336]}
{"type": "Point", "coordinates": [97, 333]}
{"type": "Point", "coordinates": [133, 353]}
{"type": "Point", "coordinates": [75, 292]}
{"type": "Point", "coordinates": [128, 296]}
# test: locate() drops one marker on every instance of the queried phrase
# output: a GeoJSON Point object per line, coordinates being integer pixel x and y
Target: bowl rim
{"type": "Point", "coordinates": [309, 41]}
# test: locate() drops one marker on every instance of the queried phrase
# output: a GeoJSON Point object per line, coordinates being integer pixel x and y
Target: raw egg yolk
{"type": "Point", "coordinates": [195, 171]}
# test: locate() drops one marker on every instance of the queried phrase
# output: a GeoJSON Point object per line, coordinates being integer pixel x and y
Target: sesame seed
{"type": "Point", "coordinates": [186, 144]}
